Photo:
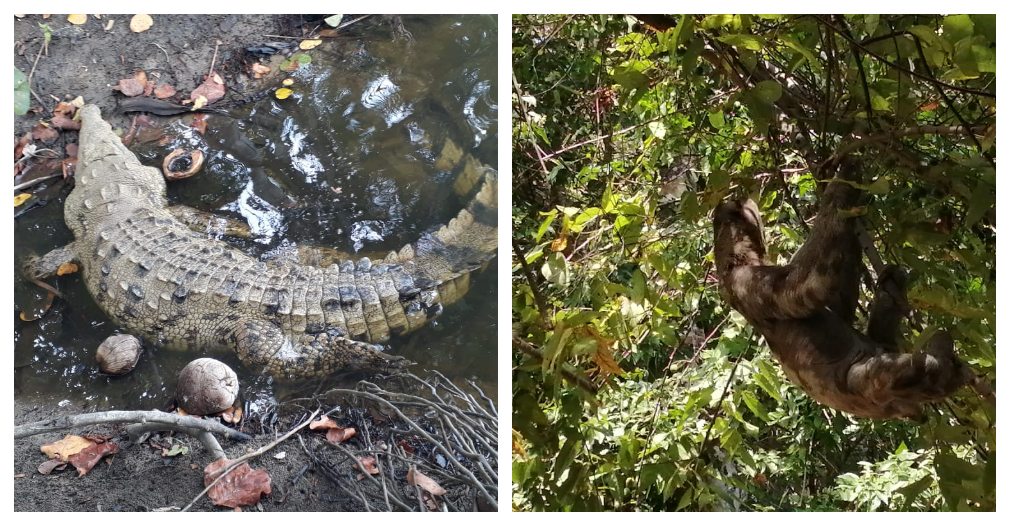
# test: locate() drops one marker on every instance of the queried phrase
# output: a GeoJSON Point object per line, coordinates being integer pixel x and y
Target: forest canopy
{"type": "Point", "coordinates": [635, 386]}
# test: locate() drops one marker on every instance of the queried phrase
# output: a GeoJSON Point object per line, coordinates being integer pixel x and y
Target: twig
{"type": "Point", "coordinates": [155, 44]}
{"type": "Point", "coordinates": [241, 460]}
{"type": "Point", "coordinates": [34, 182]}
{"type": "Point", "coordinates": [904, 132]}
{"type": "Point", "coordinates": [212, 61]}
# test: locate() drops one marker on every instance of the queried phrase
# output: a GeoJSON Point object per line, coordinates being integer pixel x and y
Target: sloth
{"type": "Point", "coordinates": [805, 310]}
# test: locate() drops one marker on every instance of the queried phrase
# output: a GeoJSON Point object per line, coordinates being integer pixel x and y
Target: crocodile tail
{"type": "Point", "coordinates": [445, 257]}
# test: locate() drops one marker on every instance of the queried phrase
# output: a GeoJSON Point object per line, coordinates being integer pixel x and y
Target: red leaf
{"type": "Point", "coordinates": [130, 87]}
{"type": "Point", "coordinates": [212, 89]}
{"type": "Point", "coordinates": [406, 447]}
{"type": "Point", "coordinates": [89, 456]}
{"type": "Point", "coordinates": [46, 134]}
{"type": "Point", "coordinates": [164, 91]}
{"type": "Point", "coordinates": [241, 487]}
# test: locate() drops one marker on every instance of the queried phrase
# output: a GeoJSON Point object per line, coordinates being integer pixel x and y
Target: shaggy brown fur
{"type": "Point", "coordinates": [806, 309]}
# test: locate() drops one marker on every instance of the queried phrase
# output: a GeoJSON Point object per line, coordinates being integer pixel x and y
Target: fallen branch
{"type": "Point", "coordinates": [190, 425]}
{"type": "Point", "coordinates": [242, 460]}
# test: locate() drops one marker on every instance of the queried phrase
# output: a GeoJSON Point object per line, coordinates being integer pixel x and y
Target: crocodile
{"type": "Point", "coordinates": [158, 278]}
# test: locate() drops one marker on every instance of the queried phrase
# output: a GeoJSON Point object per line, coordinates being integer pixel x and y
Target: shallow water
{"type": "Point", "coordinates": [348, 162]}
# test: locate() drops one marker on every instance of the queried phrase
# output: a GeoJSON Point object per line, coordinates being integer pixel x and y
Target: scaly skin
{"type": "Point", "coordinates": [159, 279]}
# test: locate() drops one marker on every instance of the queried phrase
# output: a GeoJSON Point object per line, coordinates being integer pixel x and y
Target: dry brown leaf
{"type": "Point", "coordinates": [232, 415]}
{"type": "Point", "coordinates": [65, 123]}
{"type": "Point", "coordinates": [65, 108]}
{"type": "Point", "coordinates": [369, 464]}
{"type": "Point", "coordinates": [416, 478]}
{"type": "Point", "coordinates": [19, 475]}
{"type": "Point", "coordinates": [309, 44]}
{"type": "Point", "coordinates": [67, 268]}
{"type": "Point", "coordinates": [77, 19]}
{"type": "Point", "coordinates": [48, 466]}
{"type": "Point", "coordinates": [340, 434]}
{"type": "Point", "coordinates": [148, 88]}
{"type": "Point", "coordinates": [406, 447]}
{"type": "Point", "coordinates": [605, 360]}
{"type": "Point", "coordinates": [89, 456]}
{"type": "Point", "coordinates": [164, 91]}
{"type": "Point", "coordinates": [324, 422]}
{"type": "Point", "coordinates": [243, 486]}
{"type": "Point", "coordinates": [130, 87]}
{"type": "Point", "coordinates": [141, 23]}
{"type": "Point", "coordinates": [62, 449]}
{"type": "Point", "coordinates": [140, 75]}
{"type": "Point", "coordinates": [258, 70]}
{"type": "Point", "coordinates": [46, 134]}
{"type": "Point", "coordinates": [212, 89]}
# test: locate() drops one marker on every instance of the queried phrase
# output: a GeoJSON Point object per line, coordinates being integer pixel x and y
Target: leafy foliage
{"type": "Point", "coordinates": [634, 386]}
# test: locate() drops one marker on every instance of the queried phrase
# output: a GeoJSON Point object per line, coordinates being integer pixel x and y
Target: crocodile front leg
{"type": "Point", "coordinates": [261, 344]}
{"type": "Point", "coordinates": [36, 267]}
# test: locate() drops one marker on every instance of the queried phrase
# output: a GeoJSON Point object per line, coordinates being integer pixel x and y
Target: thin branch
{"type": "Point", "coordinates": [529, 349]}
{"type": "Point", "coordinates": [904, 132]}
{"type": "Point", "coordinates": [541, 303]}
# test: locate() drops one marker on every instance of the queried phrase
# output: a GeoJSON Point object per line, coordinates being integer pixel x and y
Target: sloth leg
{"type": "Point", "coordinates": [890, 304]}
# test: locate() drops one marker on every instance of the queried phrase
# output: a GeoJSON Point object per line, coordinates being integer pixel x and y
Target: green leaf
{"type": "Point", "coordinates": [768, 91]}
{"type": "Point", "coordinates": [658, 129]}
{"type": "Point", "coordinates": [548, 219]}
{"type": "Point", "coordinates": [982, 199]}
{"type": "Point", "coordinates": [630, 78]}
{"type": "Point", "coordinates": [985, 58]}
{"type": "Point", "coordinates": [985, 25]}
{"type": "Point", "coordinates": [957, 27]}
{"type": "Point", "coordinates": [871, 22]}
{"type": "Point", "coordinates": [22, 95]}
{"type": "Point", "coordinates": [716, 118]}
{"type": "Point", "coordinates": [742, 41]}
{"type": "Point", "coordinates": [755, 405]}
{"type": "Point", "coordinates": [717, 21]}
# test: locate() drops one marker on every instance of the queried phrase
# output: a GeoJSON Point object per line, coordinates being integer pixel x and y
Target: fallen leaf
{"type": "Point", "coordinates": [65, 108]}
{"type": "Point", "coordinates": [241, 487]}
{"type": "Point", "coordinates": [309, 44]}
{"type": "Point", "coordinates": [130, 87]}
{"type": "Point", "coordinates": [232, 415]}
{"type": "Point", "coordinates": [194, 466]}
{"type": "Point", "coordinates": [63, 449]}
{"type": "Point", "coordinates": [416, 478]}
{"type": "Point", "coordinates": [89, 456]}
{"type": "Point", "coordinates": [212, 89]}
{"type": "Point", "coordinates": [333, 21]}
{"type": "Point", "coordinates": [141, 23]}
{"type": "Point", "coordinates": [369, 464]}
{"type": "Point", "coordinates": [20, 146]}
{"type": "Point", "coordinates": [164, 91]}
{"type": "Point", "coordinates": [68, 268]}
{"type": "Point", "coordinates": [48, 466]}
{"type": "Point", "coordinates": [46, 134]}
{"type": "Point", "coordinates": [283, 93]}
{"type": "Point", "coordinates": [406, 447]}
{"type": "Point", "coordinates": [19, 475]}
{"type": "Point", "coordinates": [324, 422]}
{"type": "Point", "coordinates": [148, 88]}
{"type": "Point", "coordinates": [340, 434]}
{"type": "Point", "coordinates": [177, 449]}
{"type": "Point", "coordinates": [20, 199]}
{"type": "Point", "coordinates": [258, 70]}
{"type": "Point", "coordinates": [42, 312]}
{"type": "Point", "coordinates": [199, 123]}
{"type": "Point", "coordinates": [65, 123]}
{"type": "Point", "coordinates": [281, 455]}
{"type": "Point", "coordinates": [108, 26]}
{"type": "Point", "coordinates": [77, 19]}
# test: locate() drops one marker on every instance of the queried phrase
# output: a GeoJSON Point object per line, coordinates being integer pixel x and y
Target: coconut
{"type": "Point", "coordinates": [118, 354]}
{"type": "Point", "coordinates": [206, 386]}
